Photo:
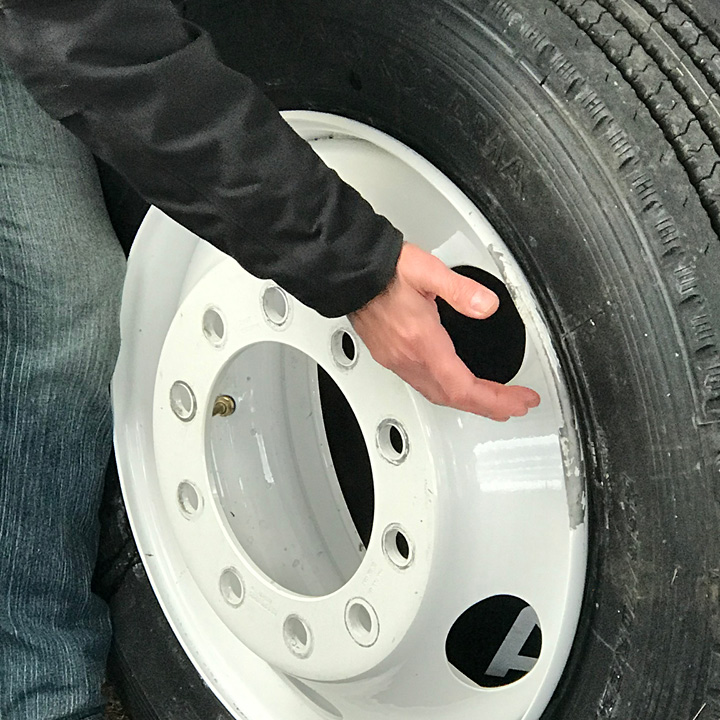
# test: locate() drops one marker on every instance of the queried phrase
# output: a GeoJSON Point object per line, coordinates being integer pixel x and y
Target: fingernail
{"type": "Point", "coordinates": [482, 304]}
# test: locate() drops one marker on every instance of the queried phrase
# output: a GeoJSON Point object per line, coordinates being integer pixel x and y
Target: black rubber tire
{"type": "Point", "coordinates": [588, 132]}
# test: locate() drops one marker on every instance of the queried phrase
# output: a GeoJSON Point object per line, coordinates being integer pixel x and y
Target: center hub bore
{"type": "Point", "coordinates": [271, 464]}
{"type": "Point", "coordinates": [255, 497]}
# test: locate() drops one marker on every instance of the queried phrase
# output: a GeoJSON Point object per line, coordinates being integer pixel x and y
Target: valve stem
{"type": "Point", "coordinates": [224, 406]}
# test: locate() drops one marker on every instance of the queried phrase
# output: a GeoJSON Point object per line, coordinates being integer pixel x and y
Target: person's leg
{"type": "Point", "coordinates": [61, 271]}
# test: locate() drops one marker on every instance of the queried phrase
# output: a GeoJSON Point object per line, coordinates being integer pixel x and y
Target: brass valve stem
{"type": "Point", "coordinates": [224, 406]}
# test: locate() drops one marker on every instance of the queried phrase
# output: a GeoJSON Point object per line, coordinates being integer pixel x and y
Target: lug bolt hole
{"type": "Point", "coordinates": [392, 441]}
{"type": "Point", "coordinates": [189, 499]}
{"type": "Point", "coordinates": [297, 636]}
{"type": "Point", "coordinates": [344, 350]}
{"type": "Point", "coordinates": [396, 440]}
{"type": "Point", "coordinates": [362, 622]}
{"type": "Point", "coordinates": [213, 326]}
{"type": "Point", "coordinates": [401, 545]}
{"type": "Point", "coordinates": [182, 401]}
{"type": "Point", "coordinates": [275, 305]}
{"type": "Point", "coordinates": [231, 587]}
{"type": "Point", "coordinates": [397, 547]}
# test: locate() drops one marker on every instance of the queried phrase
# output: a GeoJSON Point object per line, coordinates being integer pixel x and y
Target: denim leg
{"type": "Point", "coordinates": [61, 272]}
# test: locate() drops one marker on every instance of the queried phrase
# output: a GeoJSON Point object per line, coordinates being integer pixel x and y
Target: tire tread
{"type": "Point", "coordinates": [686, 106]}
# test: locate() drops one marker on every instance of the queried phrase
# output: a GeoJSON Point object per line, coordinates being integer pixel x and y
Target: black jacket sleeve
{"type": "Point", "coordinates": [146, 92]}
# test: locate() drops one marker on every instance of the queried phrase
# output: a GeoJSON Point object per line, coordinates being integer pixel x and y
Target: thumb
{"type": "Point", "coordinates": [465, 295]}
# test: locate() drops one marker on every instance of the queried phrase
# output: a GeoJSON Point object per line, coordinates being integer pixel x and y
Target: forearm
{"type": "Point", "coordinates": [146, 92]}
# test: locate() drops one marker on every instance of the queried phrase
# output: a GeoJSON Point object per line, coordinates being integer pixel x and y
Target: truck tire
{"type": "Point", "coordinates": [587, 132]}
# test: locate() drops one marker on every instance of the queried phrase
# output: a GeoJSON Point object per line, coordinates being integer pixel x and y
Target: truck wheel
{"type": "Point", "coordinates": [311, 539]}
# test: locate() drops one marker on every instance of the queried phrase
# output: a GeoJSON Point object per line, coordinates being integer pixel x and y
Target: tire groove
{"type": "Point", "coordinates": [648, 40]}
{"type": "Point", "coordinates": [703, 62]}
{"type": "Point", "coordinates": [712, 31]}
{"type": "Point", "coordinates": [712, 172]}
{"type": "Point", "coordinates": [692, 134]}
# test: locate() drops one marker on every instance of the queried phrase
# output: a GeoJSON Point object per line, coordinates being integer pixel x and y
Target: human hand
{"type": "Point", "coordinates": [401, 329]}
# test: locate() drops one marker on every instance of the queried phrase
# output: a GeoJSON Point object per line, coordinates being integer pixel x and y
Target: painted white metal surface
{"type": "Point", "coordinates": [240, 521]}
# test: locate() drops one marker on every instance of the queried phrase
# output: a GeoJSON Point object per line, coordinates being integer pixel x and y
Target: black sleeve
{"type": "Point", "coordinates": [146, 92]}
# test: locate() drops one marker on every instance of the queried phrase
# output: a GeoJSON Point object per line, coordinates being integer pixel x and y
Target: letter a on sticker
{"type": "Point", "coordinates": [508, 656]}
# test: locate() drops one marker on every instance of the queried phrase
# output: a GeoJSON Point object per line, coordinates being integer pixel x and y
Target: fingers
{"type": "Point", "coordinates": [508, 400]}
{"type": "Point", "coordinates": [401, 328]}
{"type": "Point", "coordinates": [439, 374]}
{"type": "Point", "coordinates": [429, 274]}
{"type": "Point", "coordinates": [494, 401]}
{"type": "Point", "coordinates": [465, 295]}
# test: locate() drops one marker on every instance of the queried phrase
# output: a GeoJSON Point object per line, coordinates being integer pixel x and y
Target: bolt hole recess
{"type": "Point", "coordinates": [343, 348]}
{"type": "Point", "coordinates": [182, 401]}
{"type": "Point", "coordinates": [362, 622]}
{"type": "Point", "coordinates": [276, 305]}
{"type": "Point", "coordinates": [495, 642]}
{"type": "Point", "coordinates": [231, 587]}
{"type": "Point", "coordinates": [397, 547]}
{"type": "Point", "coordinates": [213, 326]}
{"type": "Point", "coordinates": [297, 636]}
{"type": "Point", "coordinates": [189, 499]}
{"type": "Point", "coordinates": [392, 441]}
{"type": "Point", "coordinates": [493, 348]}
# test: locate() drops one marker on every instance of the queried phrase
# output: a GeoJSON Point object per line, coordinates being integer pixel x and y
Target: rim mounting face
{"type": "Point", "coordinates": [241, 519]}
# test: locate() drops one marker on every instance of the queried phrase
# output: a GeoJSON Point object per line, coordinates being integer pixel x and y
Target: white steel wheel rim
{"type": "Point", "coordinates": [363, 634]}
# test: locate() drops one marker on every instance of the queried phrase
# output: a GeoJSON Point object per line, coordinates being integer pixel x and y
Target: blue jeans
{"type": "Point", "coordinates": [61, 272]}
